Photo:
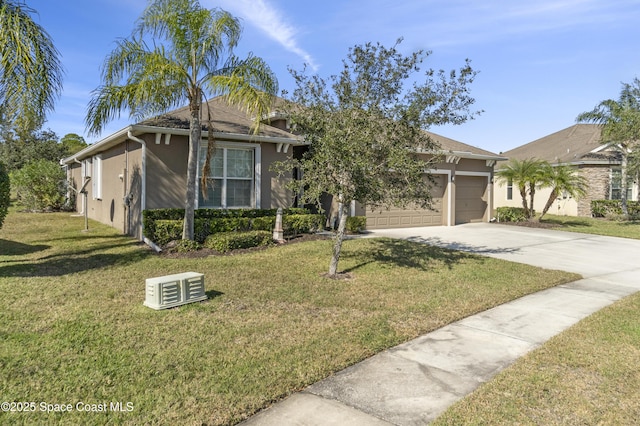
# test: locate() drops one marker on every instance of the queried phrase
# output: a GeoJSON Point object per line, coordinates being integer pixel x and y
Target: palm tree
{"type": "Point", "coordinates": [196, 60]}
{"type": "Point", "coordinates": [620, 122]}
{"type": "Point", "coordinates": [525, 174]}
{"type": "Point", "coordinates": [30, 68]}
{"type": "Point", "coordinates": [562, 179]}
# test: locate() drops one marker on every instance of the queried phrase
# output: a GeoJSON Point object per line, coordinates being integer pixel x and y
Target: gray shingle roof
{"type": "Point", "coordinates": [225, 119]}
{"type": "Point", "coordinates": [451, 145]}
{"type": "Point", "coordinates": [574, 144]}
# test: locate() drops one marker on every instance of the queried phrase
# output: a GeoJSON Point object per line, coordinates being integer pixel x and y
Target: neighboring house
{"type": "Point", "coordinates": [580, 146]}
{"type": "Point", "coordinates": [144, 166]}
{"type": "Point", "coordinates": [463, 190]}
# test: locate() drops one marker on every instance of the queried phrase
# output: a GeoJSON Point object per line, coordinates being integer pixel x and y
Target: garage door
{"type": "Point", "coordinates": [471, 202]}
{"type": "Point", "coordinates": [411, 217]}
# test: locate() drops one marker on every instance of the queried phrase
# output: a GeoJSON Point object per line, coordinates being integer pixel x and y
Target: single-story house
{"type": "Point", "coordinates": [144, 166]}
{"type": "Point", "coordinates": [579, 145]}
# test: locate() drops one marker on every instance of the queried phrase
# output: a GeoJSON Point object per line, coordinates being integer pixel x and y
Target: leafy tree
{"type": "Point", "coordinates": [30, 68]}
{"type": "Point", "coordinates": [561, 179]}
{"type": "Point", "coordinates": [39, 185]}
{"type": "Point", "coordinates": [72, 143]}
{"type": "Point", "coordinates": [5, 197]}
{"type": "Point", "coordinates": [195, 60]}
{"type": "Point", "coordinates": [526, 175]}
{"type": "Point", "coordinates": [19, 147]}
{"type": "Point", "coordinates": [365, 126]}
{"type": "Point", "coordinates": [620, 122]}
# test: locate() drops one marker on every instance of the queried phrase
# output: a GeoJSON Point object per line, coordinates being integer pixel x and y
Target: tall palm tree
{"type": "Point", "coordinates": [525, 174]}
{"type": "Point", "coordinates": [195, 61]}
{"type": "Point", "coordinates": [620, 122]}
{"type": "Point", "coordinates": [562, 179]}
{"type": "Point", "coordinates": [30, 68]}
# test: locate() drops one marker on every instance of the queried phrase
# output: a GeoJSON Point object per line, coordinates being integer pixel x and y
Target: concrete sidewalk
{"type": "Point", "coordinates": [413, 383]}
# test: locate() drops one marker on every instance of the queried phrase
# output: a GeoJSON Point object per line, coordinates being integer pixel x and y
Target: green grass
{"type": "Point", "coordinates": [587, 375]}
{"type": "Point", "coordinates": [587, 225]}
{"type": "Point", "coordinates": [73, 327]}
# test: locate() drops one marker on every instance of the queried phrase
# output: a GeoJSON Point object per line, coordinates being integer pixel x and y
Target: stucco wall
{"type": "Point", "coordinates": [166, 171]}
{"type": "Point", "coordinates": [274, 194]}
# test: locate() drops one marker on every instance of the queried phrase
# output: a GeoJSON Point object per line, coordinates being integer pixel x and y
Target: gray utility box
{"type": "Point", "coordinates": [174, 290]}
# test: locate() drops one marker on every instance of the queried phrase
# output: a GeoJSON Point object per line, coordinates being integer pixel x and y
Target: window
{"type": "Point", "coordinates": [615, 187]}
{"type": "Point", "coordinates": [232, 178]}
{"type": "Point", "coordinates": [96, 176]}
{"type": "Point", "coordinates": [510, 189]}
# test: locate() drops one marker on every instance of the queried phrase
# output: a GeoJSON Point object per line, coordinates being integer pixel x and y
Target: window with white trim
{"type": "Point", "coordinates": [615, 185]}
{"type": "Point", "coordinates": [96, 177]}
{"type": "Point", "coordinates": [510, 189]}
{"type": "Point", "coordinates": [231, 180]}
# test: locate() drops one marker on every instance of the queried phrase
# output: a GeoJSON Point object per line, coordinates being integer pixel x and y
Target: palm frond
{"type": "Point", "coordinates": [30, 69]}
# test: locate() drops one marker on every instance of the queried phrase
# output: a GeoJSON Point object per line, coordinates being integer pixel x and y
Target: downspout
{"type": "Point", "coordinates": [76, 191]}
{"type": "Point", "coordinates": [143, 189]}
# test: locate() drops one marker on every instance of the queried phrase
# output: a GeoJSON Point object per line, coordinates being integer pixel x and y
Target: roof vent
{"type": "Point", "coordinates": [174, 290]}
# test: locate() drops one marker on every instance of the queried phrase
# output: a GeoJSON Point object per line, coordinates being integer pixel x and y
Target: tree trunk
{"type": "Point", "coordinates": [532, 193]}
{"type": "Point", "coordinates": [195, 131]}
{"type": "Point", "coordinates": [523, 194]}
{"type": "Point", "coordinates": [624, 183]}
{"type": "Point", "coordinates": [552, 198]}
{"type": "Point", "coordinates": [337, 240]}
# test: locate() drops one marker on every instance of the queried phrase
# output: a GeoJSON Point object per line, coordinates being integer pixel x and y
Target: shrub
{"type": "Point", "coordinates": [186, 246]}
{"type": "Point", "coordinates": [510, 214]}
{"type": "Point", "coordinates": [356, 224]}
{"type": "Point", "coordinates": [166, 231]}
{"type": "Point", "coordinates": [294, 224]}
{"type": "Point", "coordinates": [40, 185]}
{"type": "Point", "coordinates": [227, 241]}
{"type": "Point", "coordinates": [613, 208]}
{"type": "Point", "coordinates": [5, 198]}
{"type": "Point", "coordinates": [265, 223]}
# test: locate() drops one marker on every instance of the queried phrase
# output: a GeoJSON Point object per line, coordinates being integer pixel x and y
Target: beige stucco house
{"type": "Point", "coordinates": [144, 166]}
{"type": "Point", "coordinates": [579, 146]}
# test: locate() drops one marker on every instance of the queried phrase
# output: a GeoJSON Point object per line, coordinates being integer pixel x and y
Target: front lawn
{"type": "Point", "coordinates": [74, 331]}
{"type": "Point", "coordinates": [598, 226]}
{"type": "Point", "coordinates": [588, 375]}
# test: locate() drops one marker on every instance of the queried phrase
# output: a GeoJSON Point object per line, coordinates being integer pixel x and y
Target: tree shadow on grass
{"type": "Point", "coordinates": [460, 246]}
{"type": "Point", "coordinates": [404, 254]}
{"type": "Point", "coordinates": [14, 248]}
{"type": "Point", "coordinates": [419, 253]}
{"type": "Point", "coordinates": [70, 263]}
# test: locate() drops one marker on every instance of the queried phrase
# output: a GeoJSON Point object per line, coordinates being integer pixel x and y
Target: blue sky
{"type": "Point", "coordinates": [541, 62]}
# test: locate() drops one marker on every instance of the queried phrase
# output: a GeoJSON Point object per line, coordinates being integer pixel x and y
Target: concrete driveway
{"type": "Point", "coordinates": [413, 383]}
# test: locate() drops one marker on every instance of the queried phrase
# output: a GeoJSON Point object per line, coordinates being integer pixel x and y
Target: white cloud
{"type": "Point", "coordinates": [268, 19]}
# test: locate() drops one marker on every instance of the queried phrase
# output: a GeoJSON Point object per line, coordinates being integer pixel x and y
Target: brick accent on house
{"type": "Point", "coordinates": [598, 178]}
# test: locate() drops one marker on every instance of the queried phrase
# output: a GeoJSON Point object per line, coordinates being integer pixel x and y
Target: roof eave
{"type": "Point", "coordinates": [138, 129]}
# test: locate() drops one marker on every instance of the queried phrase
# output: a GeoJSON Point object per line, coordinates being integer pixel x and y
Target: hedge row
{"type": "Point", "coordinates": [150, 217]}
{"type": "Point", "coordinates": [227, 241]}
{"type": "Point", "coordinates": [606, 208]}
{"type": "Point", "coordinates": [292, 224]}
